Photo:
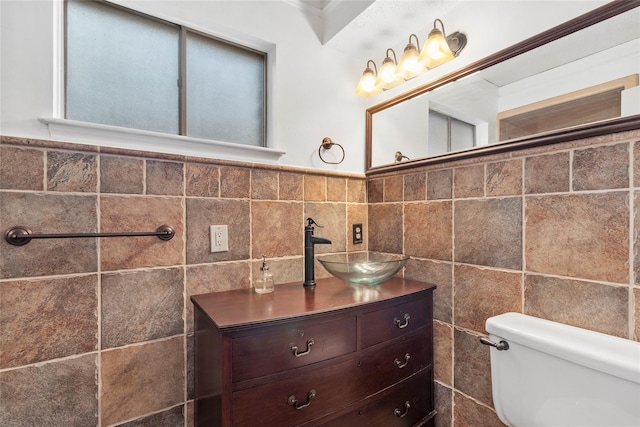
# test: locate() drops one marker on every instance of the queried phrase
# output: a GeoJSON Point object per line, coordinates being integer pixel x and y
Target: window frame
{"type": "Point", "coordinates": [450, 119]}
{"type": "Point", "coordinates": [135, 139]}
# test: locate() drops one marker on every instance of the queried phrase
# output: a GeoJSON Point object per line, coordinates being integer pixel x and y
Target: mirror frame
{"type": "Point", "coordinates": [577, 132]}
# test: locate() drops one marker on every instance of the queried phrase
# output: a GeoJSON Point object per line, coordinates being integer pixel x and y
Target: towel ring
{"type": "Point", "coordinates": [326, 144]}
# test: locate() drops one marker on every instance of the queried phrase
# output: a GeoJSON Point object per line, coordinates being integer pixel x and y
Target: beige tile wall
{"type": "Point", "coordinates": [549, 232]}
{"type": "Point", "coordinates": [100, 333]}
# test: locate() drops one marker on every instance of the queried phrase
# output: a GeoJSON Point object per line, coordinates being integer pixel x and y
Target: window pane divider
{"type": "Point", "coordinates": [182, 82]}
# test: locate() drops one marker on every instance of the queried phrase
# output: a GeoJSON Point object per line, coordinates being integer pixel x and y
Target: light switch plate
{"type": "Point", "coordinates": [219, 235]}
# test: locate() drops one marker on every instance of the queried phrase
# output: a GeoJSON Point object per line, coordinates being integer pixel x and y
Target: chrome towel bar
{"type": "Point", "coordinates": [19, 236]}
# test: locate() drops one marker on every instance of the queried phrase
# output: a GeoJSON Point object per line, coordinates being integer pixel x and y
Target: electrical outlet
{"type": "Point", "coordinates": [357, 233]}
{"type": "Point", "coordinates": [219, 235]}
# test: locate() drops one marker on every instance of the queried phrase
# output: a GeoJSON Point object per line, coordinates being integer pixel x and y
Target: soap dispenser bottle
{"type": "Point", "coordinates": [264, 284]}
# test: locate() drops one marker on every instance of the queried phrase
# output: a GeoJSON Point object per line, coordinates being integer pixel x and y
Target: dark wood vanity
{"type": "Point", "coordinates": [333, 355]}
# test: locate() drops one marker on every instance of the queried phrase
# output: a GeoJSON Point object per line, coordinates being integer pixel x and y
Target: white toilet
{"type": "Point", "coordinates": [558, 375]}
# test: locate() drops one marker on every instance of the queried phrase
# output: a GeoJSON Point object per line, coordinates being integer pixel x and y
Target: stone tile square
{"type": "Point", "coordinates": [442, 353]}
{"type": "Point", "coordinates": [140, 379]}
{"type": "Point", "coordinates": [165, 178]}
{"type": "Point", "coordinates": [443, 405]}
{"type": "Point", "coordinates": [202, 180]}
{"type": "Point", "coordinates": [504, 178]}
{"type": "Point", "coordinates": [489, 232]}
{"type": "Point", "coordinates": [600, 168]}
{"type": "Point", "coordinates": [440, 184]}
{"type": "Point", "coordinates": [173, 417]}
{"type": "Point", "coordinates": [415, 187]}
{"type": "Point", "coordinates": [291, 186]}
{"type": "Point", "coordinates": [140, 213]}
{"type": "Point", "coordinates": [119, 174]}
{"type": "Point", "coordinates": [385, 228]}
{"type": "Point", "coordinates": [48, 213]}
{"type": "Point", "coordinates": [235, 182]}
{"type": "Point", "coordinates": [315, 188]}
{"type": "Point", "coordinates": [333, 219]}
{"type": "Point", "coordinates": [572, 302]}
{"type": "Point", "coordinates": [13, 177]}
{"type": "Point", "coordinates": [440, 274]}
{"type": "Point", "coordinates": [356, 190]}
{"type": "Point", "coordinates": [548, 173]}
{"type": "Point", "coordinates": [468, 181]}
{"type": "Point", "coordinates": [468, 412]}
{"type": "Point", "coordinates": [264, 184]}
{"type": "Point", "coordinates": [472, 371]}
{"type": "Point", "coordinates": [38, 322]}
{"type": "Point", "coordinates": [203, 213]}
{"type": "Point", "coordinates": [72, 172]}
{"type": "Point", "coordinates": [578, 235]}
{"type": "Point", "coordinates": [427, 230]}
{"type": "Point", "coordinates": [336, 189]}
{"type": "Point", "coordinates": [375, 190]}
{"type": "Point", "coordinates": [480, 293]}
{"type": "Point", "coordinates": [226, 276]}
{"type": "Point", "coordinates": [61, 393]}
{"type": "Point", "coordinates": [393, 188]}
{"type": "Point", "coordinates": [277, 228]}
{"type": "Point", "coordinates": [141, 305]}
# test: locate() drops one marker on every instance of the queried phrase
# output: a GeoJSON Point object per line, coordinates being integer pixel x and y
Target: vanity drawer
{"type": "Point", "coordinates": [287, 402]}
{"type": "Point", "coordinates": [405, 405]}
{"type": "Point", "coordinates": [396, 361]}
{"type": "Point", "coordinates": [383, 325]}
{"type": "Point", "coordinates": [291, 346]}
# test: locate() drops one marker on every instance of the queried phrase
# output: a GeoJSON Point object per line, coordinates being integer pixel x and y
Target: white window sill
{"type": "Point", "coordinates": [134, 139]}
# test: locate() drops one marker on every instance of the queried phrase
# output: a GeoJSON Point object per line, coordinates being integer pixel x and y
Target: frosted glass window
{"type": "Point", "coordinates": [448, 134]}
{"type": "Point", "coordinates": [128, 69]}
{"type": "Point", "coordinates": [462, 135]}
{"type": "Point", "coordinates": [122, 68]}
{"type": "Point", "coordinates": [225, 92]}
{"type": "Point", "coordinates": [438, 134]}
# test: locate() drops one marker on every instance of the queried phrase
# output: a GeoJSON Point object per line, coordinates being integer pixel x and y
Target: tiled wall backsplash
{"type": "Point", "coordinates": [99, 332]}
{"type": "Point", "coordinates": [548, 231]}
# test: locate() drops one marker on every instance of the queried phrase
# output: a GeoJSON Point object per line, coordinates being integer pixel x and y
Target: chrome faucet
{"type": "Point", "coordinates": [309, 251]}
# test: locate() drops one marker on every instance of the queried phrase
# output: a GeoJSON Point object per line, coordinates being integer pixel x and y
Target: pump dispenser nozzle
{"type": "Point", "coordinates": [265, 283]}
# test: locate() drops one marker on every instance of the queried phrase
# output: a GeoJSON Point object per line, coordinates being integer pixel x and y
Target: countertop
{"type": "Point", "coordinates": [241, 308]}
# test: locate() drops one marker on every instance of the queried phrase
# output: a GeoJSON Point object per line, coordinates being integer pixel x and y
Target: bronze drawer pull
{"type": "Point", "coordinates": [398, 323]}
{"type": "Point", "coordinates": [401, 365]}
{"type": "Point", "coordinates": [294, 349]}
{"type": "Point", "coordinates": [294, 402]}
{"type": "Point", "coordinates": [399, 414]}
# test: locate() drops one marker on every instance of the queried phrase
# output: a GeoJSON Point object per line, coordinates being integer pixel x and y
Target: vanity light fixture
{"type": "Point", "coordinates": [387, 77]}
{"type": "Point", "coordinates": [409, 66]}
{"type": "Point", "coordinates": [441, 48]}
{"type": "Point", "coordinates": [438, 49]}
{"type": "Point", "coordinates": [367, 85]}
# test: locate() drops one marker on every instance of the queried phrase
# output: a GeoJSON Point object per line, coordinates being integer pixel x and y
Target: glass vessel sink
{"type": "Point", "coordinates": [363, 268]}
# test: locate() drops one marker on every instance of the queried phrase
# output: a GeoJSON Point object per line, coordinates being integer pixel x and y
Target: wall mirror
{"type": "Point", "coordinates": [577, 77]}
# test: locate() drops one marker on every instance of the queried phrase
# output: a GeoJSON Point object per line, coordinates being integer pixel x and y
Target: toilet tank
{"type": "Point", "coordinates": [559, 375]}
